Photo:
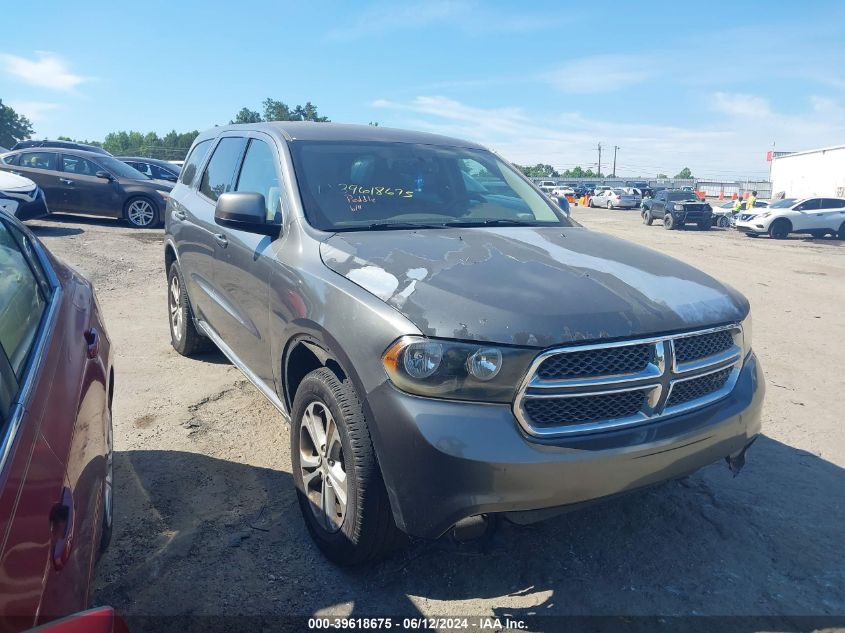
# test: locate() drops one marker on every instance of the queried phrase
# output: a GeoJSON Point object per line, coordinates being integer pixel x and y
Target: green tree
{"type": "Point", "coordinates": [684, 173]}
{"type": "Point", "coordinates": [662, 176]}
{"type": "Point", "coordinates": [14, 127]}
{"type": "Point", "coordinates": [539, 170]}
{"type": "Point", "coordinates": [247, 116]}
{"type": "Point", "coordinates": [578, 172]}
{"type": "Point", "coordinates": [74, 140]}
{"type": "Point", "coordinates": [174, 145]}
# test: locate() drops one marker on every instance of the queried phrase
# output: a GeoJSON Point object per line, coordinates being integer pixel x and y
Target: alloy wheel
{"type": "Point", "coordinates": [322, 466]}
{"type": "Point", "coordinates": [175, 301]}
{"type": "Point", "coordinates": [140, 212]}
{"type": "Point", "coordinates": [724, 222]}
{"type": "Point", "coordinates": [108, 484]}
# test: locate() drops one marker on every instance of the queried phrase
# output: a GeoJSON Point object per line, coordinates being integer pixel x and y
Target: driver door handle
{"type": "Point", "coordinates": [66, 181]}
{"type": "Point", "coordinates": [221, 239]}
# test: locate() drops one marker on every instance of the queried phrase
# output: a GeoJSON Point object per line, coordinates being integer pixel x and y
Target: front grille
{"type": "Point", "coordinates": [696, 347]}
{"type": "Point", "coordinates": [548, 412]}
{"type": "Point", "coordinates": [683, 392]}
{"type": "Point", "coordinates": [589, 388]}
{"type": "Point", "coordinates": [611, 361]}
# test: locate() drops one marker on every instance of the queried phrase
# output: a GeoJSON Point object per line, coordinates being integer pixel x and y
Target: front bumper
{"type": "Point", "coordinates": [32, 207]}
{"type": "Point", "coordinates": [444, 461]}
{"type": "Point", "coordinates": [751, 226]}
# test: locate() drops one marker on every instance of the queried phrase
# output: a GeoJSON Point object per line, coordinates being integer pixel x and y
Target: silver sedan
{"type": "Point", "coordinates": [615, 199]}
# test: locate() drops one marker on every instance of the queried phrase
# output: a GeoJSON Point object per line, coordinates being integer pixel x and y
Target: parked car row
{"type": "Point", "coordinates": [81, 181]}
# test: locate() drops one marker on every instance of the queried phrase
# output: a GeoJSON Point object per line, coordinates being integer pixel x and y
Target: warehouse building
{"type": "Point", "coordinates": [817, 172]}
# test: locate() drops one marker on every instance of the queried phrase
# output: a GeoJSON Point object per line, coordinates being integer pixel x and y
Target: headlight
{"type": "Point", "coordinates": [746, 336]}
{"type": "Point", "coordinates": [453, 369]}
{"type": "Point", "coordinates": [679, 207]}
{"type": "Point", "coordinates": [163, 194]}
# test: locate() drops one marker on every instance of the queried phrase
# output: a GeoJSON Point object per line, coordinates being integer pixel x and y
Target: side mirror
{"type": "Point", "coordinates": [244, 211]}
{"type": "Point", "coordinates": [104, 174]}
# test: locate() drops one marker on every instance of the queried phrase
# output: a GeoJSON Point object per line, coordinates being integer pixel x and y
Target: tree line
{"type": "Point", "coordinates": [15, 127]}
{"type": "Point", "coordinates": [541, 170]}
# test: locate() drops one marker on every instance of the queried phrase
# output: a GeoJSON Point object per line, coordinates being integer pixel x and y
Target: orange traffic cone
{"type": "Point", "coordinates": [721, 195]}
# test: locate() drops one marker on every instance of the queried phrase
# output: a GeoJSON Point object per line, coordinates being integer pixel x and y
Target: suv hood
{"type": "Point", "coordinates": [530, 286]}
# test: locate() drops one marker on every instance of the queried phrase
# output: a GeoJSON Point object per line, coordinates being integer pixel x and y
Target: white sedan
{"type": "Point", "coordinates": [815, 216]}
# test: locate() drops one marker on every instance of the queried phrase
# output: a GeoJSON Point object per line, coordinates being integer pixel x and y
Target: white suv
{"type": "Point", "coordinates": [816, 216]}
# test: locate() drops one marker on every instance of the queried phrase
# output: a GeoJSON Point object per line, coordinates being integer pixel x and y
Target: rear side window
{"type": "Point", "coordinates": [144, 168]}
{"type": "Point", "coordinates": [195, 158]}
{"type": "Point", "coordinates": [159, 172]}
{"type": "Point", "coordinates": [219, 175]}
{"type": "Point", "coordinates": [22, 302]}
{"type": "Point", "coordinates": [39, 160]}
{"type": "Point", "coordinates": [78, 165]}
{"type": "Point", "coordinates": [832, 203]}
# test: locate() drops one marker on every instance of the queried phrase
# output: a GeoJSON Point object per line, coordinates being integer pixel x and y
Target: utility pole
{"type": "Point", "coordinates": [599, 170]}
{"type": "Point", "coordinates": [615, 147]}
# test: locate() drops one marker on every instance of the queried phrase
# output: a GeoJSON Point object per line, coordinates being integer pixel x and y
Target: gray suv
{"type": "Point", "coordinates": [447, 346]}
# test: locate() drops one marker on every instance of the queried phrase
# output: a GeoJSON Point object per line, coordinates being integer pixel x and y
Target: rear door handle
{"type": "Point", "coordinates": [61, 529]}
{"type": "Point", "coordinates": [93, 341]}
{"type": "Point", "coordinates": [66, 181]}
{"type": "Point", "coordinates": [221, 239]}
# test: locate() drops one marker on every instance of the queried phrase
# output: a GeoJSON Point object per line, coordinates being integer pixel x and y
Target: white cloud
{"type": "Point", "coordinates": [600, 73]}
{"type": "Point", "coordinates": [733, 147]}
{"type": "Point", "coordinates": [35, 111]}
{"type": "Point", "coordinates": [46, 71]}
{"type": "Point", "coordinates": [741, 105]}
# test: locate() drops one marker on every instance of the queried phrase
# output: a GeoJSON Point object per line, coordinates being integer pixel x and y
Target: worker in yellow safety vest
{"type": "Point", "coordinates": [737, 206]}
{"type": "Point", "coordinates": [752, 200]}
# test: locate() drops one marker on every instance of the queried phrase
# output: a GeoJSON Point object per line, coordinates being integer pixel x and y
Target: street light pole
{"type": "Point", "coordinates": [615, 147]}
{"type": "Point", "coordinates": [599, 169]}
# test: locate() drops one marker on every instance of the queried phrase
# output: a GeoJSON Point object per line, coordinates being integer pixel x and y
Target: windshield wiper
{"type": "Point", "coordinates": [493, 222]}
{"type": "Point", "coordinates": [385, 226]}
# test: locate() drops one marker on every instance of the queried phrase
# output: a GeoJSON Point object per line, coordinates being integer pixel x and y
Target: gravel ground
{"type": "Point", "coordinates": [207, 522]}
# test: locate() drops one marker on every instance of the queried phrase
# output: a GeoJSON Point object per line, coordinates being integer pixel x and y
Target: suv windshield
{"type": "Point", "coordinates": [783, 204]}
{"type": "Point", "coordinates": [121, 169]}
{"type": "Point", "coordinates": [675, 196]}
{"type": "Point", "coordinates": [358, 185]}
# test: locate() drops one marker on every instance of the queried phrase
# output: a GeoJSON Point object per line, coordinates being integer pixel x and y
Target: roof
{"type": "Point", "coordinates": [71, 151]}
{"type": "Point", "coordinates": [809, 151]}
{"type": "Point", "coordinates": [311, 131]}
{"type": "Point", "coordinates": [145, 159]}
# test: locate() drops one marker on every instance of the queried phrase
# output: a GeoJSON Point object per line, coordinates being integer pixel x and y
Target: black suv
{"type": "Point", "coordinates": [677, 208]}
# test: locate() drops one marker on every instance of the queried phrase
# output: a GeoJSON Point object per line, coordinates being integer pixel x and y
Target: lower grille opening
{"type": "Point", "coordinates": [551, 412]}
{"type": "Point", "coordinates": [698, 387]}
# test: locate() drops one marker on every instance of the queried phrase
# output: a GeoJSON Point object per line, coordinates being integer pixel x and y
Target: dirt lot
{"type": "Point", "coordinates": [207, 521]}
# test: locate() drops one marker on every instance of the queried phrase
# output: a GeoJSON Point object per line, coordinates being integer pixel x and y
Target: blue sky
{"type": "Point", "coordinates": [708, 86]}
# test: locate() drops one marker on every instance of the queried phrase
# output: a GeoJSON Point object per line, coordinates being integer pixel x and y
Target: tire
{"type": "Point", "coordinates": [609, 205]}
{"type": "Point", "coordinates": [362, 530]}
{"type": "Point", "coordinates": [590, 204]}
{"type": "Point", "coordinates": [723, 222]}
{"type": "Point", "coordinates": [141, 212]}
{"type": "Point", "coordinates": [780, 229]}
{"type": "Point", "coordinates": [647, 219]}
{"type": "Point", "coordinates": [840, 234]}
{"type": "Point", "coordinates": [668, 222]}
{"type": "Point", "coordinates": [108, 490]}
{"type": "Point", "coordinates": [184, 336]}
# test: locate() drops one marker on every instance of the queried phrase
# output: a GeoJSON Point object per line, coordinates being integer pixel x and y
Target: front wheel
{"type": "Point", "coordinates": [184, 336]}
{"type": "Point", "coordinates": [779, 229]}
{"type": "Point", "coordinates": [340, 489]}
{"type": "Point", "coordinates": [723, 221]}
{"type": "Point", "coordinates": [108, 489]}
{"type": "Point", "coordinates": [841, 233]}
{"type": "Point", "coordinates": [668, 222]}
{"type": "Point", "coordinates": [590, 203]}
{"type": "Point", "coordinates": [647, 219]}
{"type": "Point", "coordinates": [141, 212]}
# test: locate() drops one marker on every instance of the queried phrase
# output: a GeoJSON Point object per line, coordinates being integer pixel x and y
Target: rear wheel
{"type": "Point", "coordinates": [841, 233]}
{"type": "Point", "coordinates": [668, 222]}
{"type": "Point", "coordinates": [338, 482]}
{"type": "Point", "coordinates": [780, 229]}
{"type": "Point", "coordinates": [141, 212]}
{"type": "Point", "coordinates": [609, 204]}
{"type": "Point", "coordinates": [184, 336]}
